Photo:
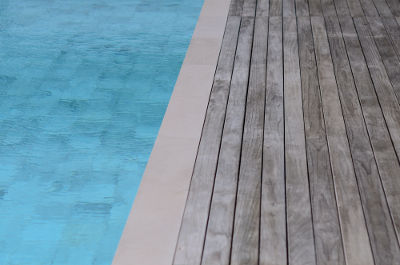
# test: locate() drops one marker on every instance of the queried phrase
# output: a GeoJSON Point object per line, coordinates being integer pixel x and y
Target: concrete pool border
{"type": "Point", "coordinates": [151, 232]}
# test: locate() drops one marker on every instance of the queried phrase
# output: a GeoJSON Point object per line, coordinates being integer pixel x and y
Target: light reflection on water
{"type": "Point", "coordinates": [83, 88]}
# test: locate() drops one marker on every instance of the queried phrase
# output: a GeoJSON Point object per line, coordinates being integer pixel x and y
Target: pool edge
{"type": "Point", "coordinates": [152, 228]}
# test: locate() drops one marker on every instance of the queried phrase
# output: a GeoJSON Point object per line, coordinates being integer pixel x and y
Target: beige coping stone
{"type": "Point", "coordinates": [151, 232]}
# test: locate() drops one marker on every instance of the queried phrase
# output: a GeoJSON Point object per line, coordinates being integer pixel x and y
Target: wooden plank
{"type": "Point", "coordinates": [394, 7]}
{"type": "Point", "coordinates": [315, 7]}
{"type": "Point", "coordinates": [236, 8]}
{"type": "Point", "coordinates": [342, 8]}
{"type": "Point", "coordinates": [383, 8]}
{"type": "Point", "coordinates": [247, 216]}
{"type": "Point", "coordinates": [354, 232]}
{"type": "Point", "coordinates": [385, 155]}
{"type": "Point", "coordinates": [191, 237]}
{"type": "Point", "coordinates": [275, 8]}
{"type": "Point", "coordinates": [302, 8]}
{"type": "Point", "coordinates": [383, 87]}
{"type": "Point", "coordinates": [355, 8]}
{"type": "Point", "coordinates": [273, 202]}
{"type": "Point", "coordinates": [393, 30]}
{"type": "Point", "coordinates": [262, 8]}
{"type": "Point", "coordinates": [369, 8]}
{"type": "Point", "coordinates": [289, 9]}
{"type": "Point", "coordinates": [379, 223]}
{"type": "Point", "coordinates": [249, 8]}
{"type": "Point", "coordinates": [387, 52]}
{"type": "Point", "coordinates": [328, 240]}
{"type": "Point", "coordinates": [299, 221]}
{"type": "Point", "coordinates": [328, 8]}
{"type": "Point", "coordinates": [219, 232]}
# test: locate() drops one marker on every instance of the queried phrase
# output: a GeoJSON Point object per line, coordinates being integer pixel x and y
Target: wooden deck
{"type": "Point", "coordinates": [299, 157]}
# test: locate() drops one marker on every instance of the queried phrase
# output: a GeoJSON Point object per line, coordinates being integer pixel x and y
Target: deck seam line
{"type": "Point", "coordinates": [219, 149]}
{"type": "Point", "coordinates": [384, 118]}
{"type": "Point", "coordinates": [262, 141]}
{"type": "Point", "coordinates": [241, 145]}
{"type": "Point", "coordinates": [305, 136]}
{"type": "Point", "coordinates": [369, 137]}
{"type": "Point", "coordinates": [363, 206]}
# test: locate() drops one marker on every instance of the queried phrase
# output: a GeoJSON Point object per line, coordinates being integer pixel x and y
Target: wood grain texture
{"type": "Point", "coordinates": [275, 8]}
{"type": "Point", "coordinates": [315, 7]}
{"type": "Point", "coordinates": [302, 8]}
{"type": "Point", "coordinates": [219, 232]}
{"type": "Point", "coordinates": [394, 6]}
{"type": "Point", "coordinates": [273, 202]}
{"type": "Point", "coordinates": [385, 155]}
{"type": "Point", "coordinates": [355, 8]}
{"type": "Point", "coordinates": [262, 8]}
{"type": "Point", "coordinates": [328, 240]}
{"type": "Point", "coordinates": [383, 8]}
{"type": "Point", "coordinates": [387, 53]}
{"type": "Point", "coordinates": [194, 222]}
{"type": "Point", "coordinates": [393, 30]}
{"type": "Point", "coordinates": [236, 8]}
{"type": "Point", "coordinates": [299, 221]}
{"type": "Point", "coordinates": [289, 8]}
{"type": "Point", "coordinates": [379, 222]}
{"type": "Point", "coordinates": [383, 87]}
{"type": "Point", "coordinates": [298, 163]}
{"type": "Point", "coordinates": [342, 8]}
{"type": "Point", "coordinates": [354, 232]}
{"type": "Point", "coordinates": [369, 8]}
{"type": "Point", "coordinates": [249, 8]}
{"type": "Point", "coordinates": [247, 216]}
{"type": "Point", "coordinates": [328, 8]}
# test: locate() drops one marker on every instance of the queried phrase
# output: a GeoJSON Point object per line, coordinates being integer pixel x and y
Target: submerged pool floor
{"type": "Point", "coordinates": [83, 88]}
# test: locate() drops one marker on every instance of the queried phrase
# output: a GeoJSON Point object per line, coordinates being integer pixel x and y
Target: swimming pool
{"type": "Point", "coordinates": [83, 88]}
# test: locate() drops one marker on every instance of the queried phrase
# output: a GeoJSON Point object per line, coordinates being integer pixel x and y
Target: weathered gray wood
{"type": "Point", "coordinates": [262, 8]}
{"type": "Point", "coordinates": [249, 8]}
{"type": "Point", "coordinates": [299, 221]}
{"type": "Point", "coordinates": [394, 6]}
{"type": "Point", "coordinates": [379, 223]}
{"type": "Point", "coordinates": [289, 9]}
{"type": "Point", "coordinates": [387, 52]}
{"type": "Point", "coordinates": [328, 8]}
{"type": "Point", "coordinates": [236, 8]}
{"type": "Point", "coordinates": [328, 240]}
{"type": "Point", "coordinates": [191, 237]}
{"type": "Point", "coordinates": [383, 87]}
{"type": "Point", "coordinates": [354, 232]}
{"type": "Point", "coordinates": [369, 8]}
{"type": "Point", "coordinates": [302, 8]}
{"type": "Point", "coordinates": [273, 202]}
{"type": "Point", "coordinates": [247, 216]}
{"type": "Point", "coordinates": [383, 8]}
{"type": "Point", "coordinates": [275, 8]}
{"type": "Point", "coordinates": [393, 30]}
{"type": "Point", "coordinates": [385, 155]}
{"type": "Point", "coordinates": [355, 8]}
{"type": "Point", "coordinates": [342, 8]}
{"type": "Point", "coordinates": [295, 188]}
{"type": "Point", "coordinates": [219, 232]}
{"type": "Point", "coordinates": [315, 7]}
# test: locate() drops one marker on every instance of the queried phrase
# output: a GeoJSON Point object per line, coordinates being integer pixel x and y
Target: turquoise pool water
{"type": "Point", "coordinates": [84, 85]}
